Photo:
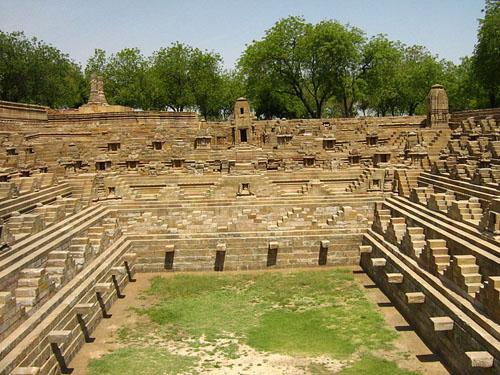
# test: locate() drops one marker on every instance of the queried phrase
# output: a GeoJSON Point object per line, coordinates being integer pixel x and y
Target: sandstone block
{"type": "Point", "coordinates": [395, 278]}
{"type": "Point", "coordinates": [442, 323]}
{"type": "Point", "coordinates": [415, 297]}
{"type": "Point", "coordinates": [379, 262]}
{"type": "Point", "coordinates": [480, 359]}
{"type": "Point", "coordinates": [59, 337]}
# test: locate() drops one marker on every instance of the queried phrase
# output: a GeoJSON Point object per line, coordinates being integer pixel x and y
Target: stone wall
{"type": "Point", "coordinates": [22, 111]}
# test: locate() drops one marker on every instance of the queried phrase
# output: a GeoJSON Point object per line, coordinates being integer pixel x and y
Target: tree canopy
{"type": "Point", "coordinates": [487, 51]}
{"type": "Point", "coordinates": [34, 72]}
{"type": "Point", "coordinates": [297, 69]}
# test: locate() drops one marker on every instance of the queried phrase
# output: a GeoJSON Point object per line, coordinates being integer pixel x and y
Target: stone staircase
{"type": "Point", "coordinates": [466, 210]}
{"type": "Point", "coordinates": [434, 256]}
{"type": "Point", "coordinates": [60, 268]}
{"type": "Point", "coordinates": [395, 230]}
{"type": "Point", "coordinates": [464, 272]}
{"type": "Point", "coordinates": [33, 286]}
{"type": "Point", "coordinates": [413, 241]}
{"type": "Point", "coordinates": [406, 180]}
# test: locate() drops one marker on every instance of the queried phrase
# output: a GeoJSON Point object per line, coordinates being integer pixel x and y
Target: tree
{"type": "Point", "coordinates": [380, 82]}
{"type": "Point", "coordinates": [233, 87]}
{"type": "Point", "coordinates": [418, 72]}
{"type": "Point", "coordinates": [463, 88]}
{"type": "Point", "coordinates": [205, 78]}
{"type": "Point", "coordinates": [96, 63]}
{"type": "Point", "coordinates": [487, 51]}
{"type": "Point", "coordinates": [34, 72]}
{"type": "Point", "coordinates": [126, 79]}
{"type": "Point", "coordinates": [310, 63]}
{"type": "Point", "coordinates": [170, 76]}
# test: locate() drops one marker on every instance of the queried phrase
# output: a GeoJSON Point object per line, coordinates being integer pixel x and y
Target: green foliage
{"type": "Point", "coordinates": [96, 63]}
{"type": "Point", "coordinates": [298, 61]}
{"type": "Point", "coordinates": [177, 78]}
{"type": "Point", "coordinates": [301, 68]}
{"type": "Point", "coordinates": [141, 361]}
{"type": "Point", "coordinates": [464, 91]}
{"type": "Point", "coordinates": [380, 88]}
{"type": "Point", "coordinates": [34, 72]}
{"type": "Point", "coordinates": [419, 71]}
{"type": "Point", "coordinates": [487, 51]}
{"type": "Point", "coordinates": [298, 69]}
{"type": "Point", "coordinates": [170, 71]}
{"type": "Point", "coordinates": [126, 79]}
{"type": "Point", "coordinates": [233, 87]}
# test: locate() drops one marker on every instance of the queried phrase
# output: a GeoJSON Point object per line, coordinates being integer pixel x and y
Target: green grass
{"type": "Point", "coordinates": [308, 313]}
{"type": "Point", "coordinates": [312, 313]}
{"type": "Point", "coordinates": [369, 365]}
{"type": "Point", "coordinates": [141, 361]}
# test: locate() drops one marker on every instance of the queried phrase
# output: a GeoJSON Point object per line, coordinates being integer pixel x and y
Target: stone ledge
{"type": "Point", "coordinates": [480, 359]}
{"type": "Point", "coordinates": [415, 297]}
{"type": "Point", "coordinates": [59, 337]}
{"type": "Point", "coordinates": [379, 262]}
{"type": "Point", "coordinates": [442, 323]}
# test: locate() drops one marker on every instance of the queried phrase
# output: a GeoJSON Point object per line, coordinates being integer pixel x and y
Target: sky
{"type": "Point", "coordinates": [448, 28]}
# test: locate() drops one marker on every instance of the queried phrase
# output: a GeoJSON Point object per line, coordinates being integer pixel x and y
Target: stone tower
{"type": "Point", "coordinates": [97, 100]}
{"type": "Point", "coordinates": [242, 121]}
{"type": "Point", "coordinates": [437, 107]}
{"type": "Point", "coordinates": [97, 90]}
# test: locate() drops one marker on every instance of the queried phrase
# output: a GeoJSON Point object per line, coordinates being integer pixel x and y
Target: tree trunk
{"type": "Point", "coordinates": [346, 107]}
{"type": "Point", "coordinates": [319, 109]}
{"type": "Point", "coordinates": [493, 99]}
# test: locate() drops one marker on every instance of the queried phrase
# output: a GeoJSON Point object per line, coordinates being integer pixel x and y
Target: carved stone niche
{"type": "Point", "coordinates": [132, 161]}
{"type": "Point", "coordinates": [381, 157]}
{"type": "Point", "coordinates": [262, 164]}
{"type": "Point", "coordinates": [244, 189]}
{"type": "Point", "coordinates": [411, 141]}
{"type": "Point", "coordinates": [309, 161]}
{"type": "Point", "coordinates": [485, 162]}
{"type": "Point", "coordinates": [273, 164]}
{"type": "Point", "coordinates": [203, 142]}
{"type": "Point", "coordinates": [11, 151]}
{"type": "Point", "coordinates": [28, 148]}
{"type": "Point", "coordinates": [102, 163]}
{"type": "Point", "coordinates": [114, 146]}
{"type": "Point", "coordinates": [329, 143]}
{"type": "Point", "coordinates": [284, 139]}
{"type": "Point", "coordinates": [354, 157]}
{"type": "Point", "coordinates": [177, 163]}
{"type": "Point", "coordinates": [157, 145]}
{"type": "Point", "coordinates": [372, 139]}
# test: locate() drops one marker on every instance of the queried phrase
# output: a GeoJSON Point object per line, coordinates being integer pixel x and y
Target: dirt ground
{"type": "Point", "coordinates": [419, 357]}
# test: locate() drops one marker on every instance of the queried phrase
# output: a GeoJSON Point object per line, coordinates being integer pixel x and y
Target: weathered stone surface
{"type": "Point", "coordinates": [105, 191]}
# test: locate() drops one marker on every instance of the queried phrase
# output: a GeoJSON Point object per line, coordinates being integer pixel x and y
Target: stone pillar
{"type": "Point", "coordinates": [97, 90]}
{"type": "Point", "coordinates": [437, 107]}
{"type": "Point", "coordinates": [242, 121]}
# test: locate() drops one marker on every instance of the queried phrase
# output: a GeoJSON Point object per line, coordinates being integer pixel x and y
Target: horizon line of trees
{"type": "Point", "coordinates": [298, 69]}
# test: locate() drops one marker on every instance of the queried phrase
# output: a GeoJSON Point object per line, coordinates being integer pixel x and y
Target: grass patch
{"type": "Point", "coordinates": [370, 365]}
{"type": "Point", "coordinates": [307, 313]}
{"type": "Point", "coordinates": [302, 313]}
{"type": "Point", "coordinates": [141, 361]}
